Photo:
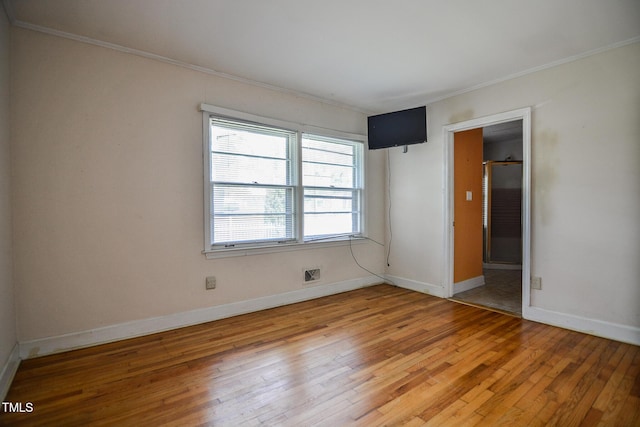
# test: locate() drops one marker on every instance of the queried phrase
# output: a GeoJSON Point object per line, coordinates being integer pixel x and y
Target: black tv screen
{"type": "Point", "coordinates": [399, 128]}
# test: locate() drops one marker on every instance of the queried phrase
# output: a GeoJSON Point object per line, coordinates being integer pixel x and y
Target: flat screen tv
{"type": "Point", "coordinates": [399, 128]}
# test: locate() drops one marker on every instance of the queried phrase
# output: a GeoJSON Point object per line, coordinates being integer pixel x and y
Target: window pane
{"type": "Point", "coordinates": [247, 153]}
{"type": "Point", "coordinates": [240, 169]}
{"type": "Point", "coordinates": [254, 141]}
{"type": "Point", "coordinates": [321, 175]}
{"type": "Point", "coordinates": [329, 212]}
{"type": "Point", "coordinates": [328, 224]}
{"type": "Point", "coordinates": [328, 162]}
{"type": "Point", "coordinates": [251, 200]}
{"type": "Point", "coordinates": [327, 152]}
{"type": "Point", "coordinates": [329, 166]}
{"type": "Point", "coordinates": [328, 201]}
{"type": "Point", "coordinates": [251, 213]}
{"type": "Point", "coordinates": [251, 228]}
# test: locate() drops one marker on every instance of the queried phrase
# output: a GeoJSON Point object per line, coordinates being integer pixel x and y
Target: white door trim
{"type": "Point", "coordinates": [523, 114]}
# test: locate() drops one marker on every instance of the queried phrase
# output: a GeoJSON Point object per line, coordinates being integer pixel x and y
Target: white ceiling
{"type": "Point", "coordinates": [374, 55]}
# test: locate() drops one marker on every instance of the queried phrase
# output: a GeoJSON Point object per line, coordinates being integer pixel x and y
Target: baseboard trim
{"type": "Point", "coordinates": [60, 343]}
{"type": "Point", "coordinates": [414, 285]}
{"type": "Point", "coordinates": [467, 285]}
{"type": "Point", "coordinates": [9, 371]}
{"type": "Point", "coordinates": [56, 344]}
{"type": "Point", "coordinates": [600, 328]}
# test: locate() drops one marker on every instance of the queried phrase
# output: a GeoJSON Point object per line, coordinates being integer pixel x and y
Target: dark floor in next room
{"type": "Point", "coordinates": [502, 291]}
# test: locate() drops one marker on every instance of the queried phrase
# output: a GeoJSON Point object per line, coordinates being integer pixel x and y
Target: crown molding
{"type": "Point", "coordinates": [148, 55]}
{"type": "Point", "coordinates": [536, 69]}
{"type": "Point", "coordinates": [9, 11]}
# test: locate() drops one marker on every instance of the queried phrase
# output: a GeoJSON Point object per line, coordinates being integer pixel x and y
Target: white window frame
{"type": "Point", "coordinates": [357, 187]}
{"type": "Point", "coordinates": [299, 243]}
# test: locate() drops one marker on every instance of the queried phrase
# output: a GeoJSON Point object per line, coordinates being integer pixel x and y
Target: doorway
{"type": "Point", "coordinates": [505, 162]}
{"type": "Point", "coordinates": [497, 170]}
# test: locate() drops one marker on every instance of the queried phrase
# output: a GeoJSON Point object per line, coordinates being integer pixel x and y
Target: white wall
{"type": "Point", "coordinates": [107, 153]}
{"type": "Point", "coordinates": [107, 189]}
{"type": "Point", "coordinates": [7, 312]}
{"type": "Point", "coordinates": [585, 186]}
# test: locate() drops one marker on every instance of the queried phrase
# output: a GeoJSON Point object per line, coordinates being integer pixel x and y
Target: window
{"type": "Point", "coordinates": [331, 176]}
{"type": "Point", "coordinates": [252, 191]}
{"type": "Point", "coordinates": [268, 184]}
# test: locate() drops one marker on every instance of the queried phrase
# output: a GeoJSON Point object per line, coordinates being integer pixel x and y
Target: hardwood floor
{"type": "Point", "coordinates": [375, 356]}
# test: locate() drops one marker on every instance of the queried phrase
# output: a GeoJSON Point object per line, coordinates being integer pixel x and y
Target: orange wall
{"type": "Point", "coordinates": [467, 242]}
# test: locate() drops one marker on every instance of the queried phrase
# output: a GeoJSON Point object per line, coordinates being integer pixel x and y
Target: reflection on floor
{"type": "Point", "coordinates": [502, 291]}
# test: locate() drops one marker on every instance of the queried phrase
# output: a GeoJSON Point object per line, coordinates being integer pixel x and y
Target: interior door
{"type": "Point", "coordinates": [467, 210]}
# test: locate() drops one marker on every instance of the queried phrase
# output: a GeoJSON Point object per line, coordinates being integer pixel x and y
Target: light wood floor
{"type": "Point", "coordinates": [375, 356]}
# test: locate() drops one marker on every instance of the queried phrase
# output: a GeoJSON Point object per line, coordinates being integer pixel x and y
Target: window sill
{"type": "Point", "coordinates": [283, 247]}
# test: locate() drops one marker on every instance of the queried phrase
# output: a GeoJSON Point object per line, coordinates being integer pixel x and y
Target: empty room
{"type": "Point", "coordinates": [293, 213]}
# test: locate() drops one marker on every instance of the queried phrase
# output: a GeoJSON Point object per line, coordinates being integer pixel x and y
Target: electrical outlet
{"type": "Point", "coordinates": [210, 282]}
{"type": "Point", "coordinates": [536, 282]}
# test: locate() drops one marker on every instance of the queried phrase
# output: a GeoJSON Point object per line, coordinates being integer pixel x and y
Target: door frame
{"type": "Point", "coordinates": [523, 114]}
